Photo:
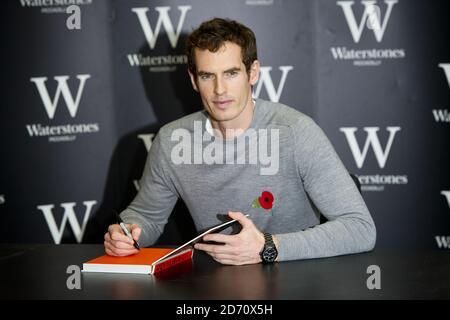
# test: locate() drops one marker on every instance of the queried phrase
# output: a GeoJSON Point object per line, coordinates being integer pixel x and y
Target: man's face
{"type": "Point", "coordinates": [223, 82]}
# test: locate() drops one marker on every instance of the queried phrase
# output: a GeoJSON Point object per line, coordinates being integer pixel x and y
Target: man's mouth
{"type": "Point", "coordinates": [222, 104]}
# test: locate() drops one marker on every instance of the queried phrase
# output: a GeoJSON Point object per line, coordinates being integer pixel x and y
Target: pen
{"type": "Point", "coordinates": [125, 230]}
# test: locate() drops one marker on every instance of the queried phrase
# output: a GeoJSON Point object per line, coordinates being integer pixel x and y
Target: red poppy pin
{"type": "Point", "coordinates": [264, 201]}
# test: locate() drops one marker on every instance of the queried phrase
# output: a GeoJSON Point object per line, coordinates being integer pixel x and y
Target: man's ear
{"type": "Point", "coordinates": [193, 80]}
{"type": "Point", "coordinates": [254, 72]}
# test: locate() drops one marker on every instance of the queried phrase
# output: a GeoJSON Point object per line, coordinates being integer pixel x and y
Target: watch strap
{"type": "Point", "coordinates": [268, 239]}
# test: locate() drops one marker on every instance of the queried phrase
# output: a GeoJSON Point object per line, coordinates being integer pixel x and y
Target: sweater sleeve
{"type": "Point", "coordinates": [155, 199]}
{"type": "Point", "coordinates": [350, 228]}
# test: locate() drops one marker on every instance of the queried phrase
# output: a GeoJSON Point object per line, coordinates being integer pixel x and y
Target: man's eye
{"type": "Point", "coordinates": [232, 73]}
{"type": "Point", "coordinates": [206, 77]}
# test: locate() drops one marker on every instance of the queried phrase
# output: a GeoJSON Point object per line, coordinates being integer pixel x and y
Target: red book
{"type": "Point", "coordinates": [146, 261]}
{"type": "Point", "coordinates": [150, 260]}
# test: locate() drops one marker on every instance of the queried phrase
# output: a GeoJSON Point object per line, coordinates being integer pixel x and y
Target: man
{"type": "Point", "coordinates": [283, 194]}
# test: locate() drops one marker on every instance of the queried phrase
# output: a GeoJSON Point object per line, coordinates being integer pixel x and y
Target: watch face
{"type": "Point", "coordinates": [269, 254]}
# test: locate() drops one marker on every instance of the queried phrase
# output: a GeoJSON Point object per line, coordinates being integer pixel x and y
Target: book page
{"type": "Point", "coordinates": [196, 239]}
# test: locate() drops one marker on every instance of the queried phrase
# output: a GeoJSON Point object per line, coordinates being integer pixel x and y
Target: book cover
{"type": "Point", "coordinates": [146, 261]}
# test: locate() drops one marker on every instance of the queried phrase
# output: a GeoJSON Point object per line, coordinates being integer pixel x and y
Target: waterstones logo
{"type": "Point", "coordinates": [443, 115]}
{"type": "Point", "coordinates": [157, 63]}
{"type": "Point", "coordinates": [369, 57]}
{"type": "Point", "coordinates": [53, 6]}
{"type": "Point", "coordinates": [446, 194]}
{"type": "Point", "coordinates": [147, 139]}
{"type": "Point", "coordinates": [68, 216]}
{"type": "Point", "coordinates": [373, 182]}
{"type": "Point", "coordinates": [443, 242]}
{"type": "Point", "coordinates": [371, 19]}
{"type": "Point", "coordinates": [265, 80]}
{"type": "Point", "coordinates": [60, 132]}
{"type": "Point", "coordinates": [446, 68]}
{"type": "Point", "coordinates": [163, 63]}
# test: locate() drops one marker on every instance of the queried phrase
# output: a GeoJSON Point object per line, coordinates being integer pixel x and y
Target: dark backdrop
{"type": "Point", "coordinates": [79, 108]}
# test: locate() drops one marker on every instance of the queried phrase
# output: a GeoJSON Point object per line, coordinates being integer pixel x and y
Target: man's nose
{"type": "Point", "coordinates": [219, 87]}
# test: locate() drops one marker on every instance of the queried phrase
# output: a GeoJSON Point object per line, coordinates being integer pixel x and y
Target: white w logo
{"type": "Point", "coordinates": [446, 194]}
{"type": "Point", "coordinates": [371, 17]}
{"type": "Point", "coordinates": [163, 19]}
{"type": "Point", "coordinates": [266, 79]}
{"type": "Point", "coordinates": [69, 215]}
{"type": "Point", "coordinates": [50, 106]}
{"type": "Point", "coordinates": [446, 67]}
{"type": "Point", "coordinates": [372, 139]}
{"type": "Point", "coordinates": [148, 140]}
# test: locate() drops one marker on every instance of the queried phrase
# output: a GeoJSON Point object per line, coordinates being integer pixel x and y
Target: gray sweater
{"type": "Point", "coordinates": [300, 169]}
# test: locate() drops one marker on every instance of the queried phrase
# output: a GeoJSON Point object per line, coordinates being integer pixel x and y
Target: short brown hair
{"type": "Point", "coordinates": [214, 33]}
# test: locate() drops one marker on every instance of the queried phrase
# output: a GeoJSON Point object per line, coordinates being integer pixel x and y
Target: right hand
{"type": "Point", "coordinates": [118, 244]}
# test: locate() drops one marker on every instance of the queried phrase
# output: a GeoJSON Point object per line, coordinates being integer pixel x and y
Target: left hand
{"type": "Point", "coordinates": [238, 249]}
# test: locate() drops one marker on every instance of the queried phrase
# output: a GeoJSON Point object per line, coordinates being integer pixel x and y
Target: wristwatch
{"type": "Point", "coordinates": [269, 252]}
